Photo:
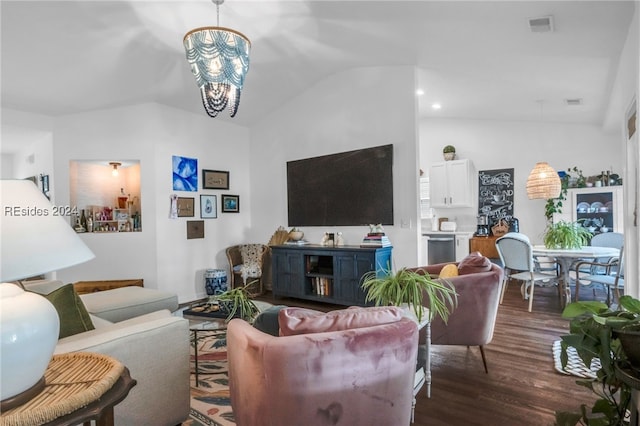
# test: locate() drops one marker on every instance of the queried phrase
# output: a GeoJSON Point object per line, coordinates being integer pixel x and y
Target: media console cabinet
{"type": "Point", "coordinates": [324, 273]}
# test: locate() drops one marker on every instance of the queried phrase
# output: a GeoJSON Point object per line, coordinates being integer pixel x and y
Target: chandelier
{"type": "Point", "coordinates": [219, 59]}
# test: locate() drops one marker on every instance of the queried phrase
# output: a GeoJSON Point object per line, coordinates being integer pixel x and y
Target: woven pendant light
{"type": "Point", "coordinates": [543, 182]}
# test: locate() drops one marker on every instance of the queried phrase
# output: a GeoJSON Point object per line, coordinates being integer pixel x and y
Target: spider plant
{"type": "Point", "coordinates": [566, 235]}
{"type": "Point", "coordinates": [236, 301]}
{"type": "Point", "coordinates": [407, 286]}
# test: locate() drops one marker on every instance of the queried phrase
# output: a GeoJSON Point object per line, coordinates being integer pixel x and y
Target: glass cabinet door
{"type": "Point", "coordinates": [598, 209]}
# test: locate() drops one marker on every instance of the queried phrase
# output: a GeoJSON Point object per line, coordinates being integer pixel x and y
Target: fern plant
{"type": "Point", "coordinates": [406, 286]}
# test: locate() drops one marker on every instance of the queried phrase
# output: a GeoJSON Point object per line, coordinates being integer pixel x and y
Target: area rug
{"type": "Point", "coordinates": [575, 366]}
{"type": "Point", "coordinates": [210, 401]}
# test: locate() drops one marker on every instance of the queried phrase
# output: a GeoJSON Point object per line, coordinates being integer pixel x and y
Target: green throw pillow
{"type": "Point", "coordinates": [74, 317]}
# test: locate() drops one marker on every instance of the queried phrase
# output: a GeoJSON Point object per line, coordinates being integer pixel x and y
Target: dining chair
{"type": "Point", "coordinates": [516, 254]}
{"type": "Point", "coordinates": [606, 239]}
{"type": "Point", "coordinates": [613, 276]}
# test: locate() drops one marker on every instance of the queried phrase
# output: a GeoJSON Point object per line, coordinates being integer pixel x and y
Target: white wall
{"type": "Point", "coordinates": [494, 144]}
{"type": "Point", "coordinates": [359, 108]}
{"type": "Point", "coordinates": [151, 133]}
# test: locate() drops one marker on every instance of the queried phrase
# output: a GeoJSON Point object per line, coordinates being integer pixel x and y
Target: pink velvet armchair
{"type": "Point", "coordinates": [473, 321]}
{"type": "Point", "coordinates": [352, 374]}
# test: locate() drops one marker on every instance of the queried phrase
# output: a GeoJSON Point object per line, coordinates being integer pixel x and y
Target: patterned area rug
{"type": "Point", "coordinates": [575, 366]}
{"type": "Point", "coordinates": [210, 402]}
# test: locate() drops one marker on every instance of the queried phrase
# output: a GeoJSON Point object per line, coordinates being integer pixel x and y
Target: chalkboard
{"type": "Point", "coordinates": [495, 194]}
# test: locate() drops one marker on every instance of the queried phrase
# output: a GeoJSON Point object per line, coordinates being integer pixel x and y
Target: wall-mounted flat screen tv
{"type": "Point", "coordinates": [343, 189]}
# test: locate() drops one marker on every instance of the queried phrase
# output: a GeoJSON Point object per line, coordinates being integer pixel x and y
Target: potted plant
{"type": "Point", "coordinates": [409, 287]}
{"type": "Point", "coordinates": [566, 235]}
{"type": "Point", "coordinates": [236, 302]}
{"type": "Point", "coordinates": [597, 331]}
{"type": "Point", "coordinates": [449, 152]}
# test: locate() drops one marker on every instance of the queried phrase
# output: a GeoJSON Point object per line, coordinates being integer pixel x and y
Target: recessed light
{"type": "Point", "coordinates": [419, 92]}
{"type": "Point", "coordinates": [436, 106]}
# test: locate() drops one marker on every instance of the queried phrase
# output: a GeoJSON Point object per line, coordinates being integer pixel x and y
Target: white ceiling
{"type": "Point", "coordinates": [477, 58]}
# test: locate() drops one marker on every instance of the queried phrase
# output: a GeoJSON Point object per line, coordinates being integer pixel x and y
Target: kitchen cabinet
{"type": "Point", "coordinates": [462, 246]}
{"type": "Point", "coordinates": [451, 184]}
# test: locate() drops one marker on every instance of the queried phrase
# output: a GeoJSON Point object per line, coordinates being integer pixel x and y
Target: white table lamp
{"type": "Point", "coordinates": [36, 239]}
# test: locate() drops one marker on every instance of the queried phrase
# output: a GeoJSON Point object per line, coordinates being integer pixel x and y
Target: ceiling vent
{"type": "Point", "coordinates": [541, 24]}
{"type": "Point", "coordinates": [573, 102]}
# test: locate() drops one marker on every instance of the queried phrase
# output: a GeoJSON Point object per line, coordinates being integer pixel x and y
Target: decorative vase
{"type": "Point", "coordinates": [448, 156]}
{"type": "Point", "coordinates": [29, 331]}
{"type": "Point", "coordinates": [215, 281]}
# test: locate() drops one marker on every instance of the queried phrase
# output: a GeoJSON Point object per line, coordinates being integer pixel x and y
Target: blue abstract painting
{"type": "Point", "coordinates": [185, 173]}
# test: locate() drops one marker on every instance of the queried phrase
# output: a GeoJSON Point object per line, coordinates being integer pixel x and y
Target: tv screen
{"type": "Point", "coordinates": [348, 188]}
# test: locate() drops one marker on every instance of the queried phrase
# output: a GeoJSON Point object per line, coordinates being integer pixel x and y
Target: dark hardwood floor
{"type": "Point", "coordinates": [522, 387]}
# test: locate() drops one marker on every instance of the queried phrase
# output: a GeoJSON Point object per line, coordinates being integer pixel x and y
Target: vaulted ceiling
{"type": "Point", "coordinates": [478, 59]}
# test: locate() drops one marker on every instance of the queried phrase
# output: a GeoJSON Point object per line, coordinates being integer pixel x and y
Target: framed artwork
{"type": "Point", "coordinates": [195, 229]}
{"type": "Point", "coordinates": [208, 207]}
{"type": "Point", "coordinates": [215, 179]}
{"type": "Point", "coordinates": [185, 173]}
{"type": "Point", "coordinates": [230, 203]}
{"type": "Point", "coordinates": [185, 206]}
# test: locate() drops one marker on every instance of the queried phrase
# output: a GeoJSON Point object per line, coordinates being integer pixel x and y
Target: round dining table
{"type": "Point", "coordinates": [566, 257]}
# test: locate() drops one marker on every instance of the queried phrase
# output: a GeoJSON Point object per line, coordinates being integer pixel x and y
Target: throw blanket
{"type": "Point", "coordinates": [251, 261]}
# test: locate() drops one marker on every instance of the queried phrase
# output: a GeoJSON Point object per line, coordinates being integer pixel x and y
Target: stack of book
{"type": "Point", "coordinates": [375, 239]}
{"type": "Point", "coordinates": [322, 286]}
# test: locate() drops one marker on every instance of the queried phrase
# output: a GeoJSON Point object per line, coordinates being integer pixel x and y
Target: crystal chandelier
{"type": "Point", "coordinates": [219, 59]}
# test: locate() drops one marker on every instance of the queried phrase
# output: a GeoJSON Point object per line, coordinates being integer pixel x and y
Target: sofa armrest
{"type": "Point", "coordinates": [155, 348]}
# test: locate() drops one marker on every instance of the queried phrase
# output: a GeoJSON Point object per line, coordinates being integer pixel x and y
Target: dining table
{"type": "Point", "coordinates": [566, 257]}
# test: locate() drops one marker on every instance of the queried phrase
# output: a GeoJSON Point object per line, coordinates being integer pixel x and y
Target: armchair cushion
{"type": "Point", "coordinates": [295, 321]}
{"type": "Point", "coordinates": [474, 263]}
{"type": "Point", "coordinates": [73, 315]}
{"type": "Point", "coordinates": [251, 260]}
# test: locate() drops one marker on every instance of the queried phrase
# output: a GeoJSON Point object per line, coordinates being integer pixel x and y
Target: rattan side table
{"type": "Point", "coordinates": [80, 387]}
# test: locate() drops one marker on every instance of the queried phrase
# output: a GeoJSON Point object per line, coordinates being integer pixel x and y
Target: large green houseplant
{"type": "Point", "coordinates": [409, 287]}
{"type": "Point", "coordinates": [595, 332]}
{"type": "Point", "coordinates": [566, 235]}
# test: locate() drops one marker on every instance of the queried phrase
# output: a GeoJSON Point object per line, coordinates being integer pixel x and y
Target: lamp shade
{"type": "Point", "coordinates": [543, 182]}
{"type": "Point", "coordinates": [36, 238]}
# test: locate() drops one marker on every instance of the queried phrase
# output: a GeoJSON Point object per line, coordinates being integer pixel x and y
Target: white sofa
{"type": "Point", "coordinates": [154, 347]}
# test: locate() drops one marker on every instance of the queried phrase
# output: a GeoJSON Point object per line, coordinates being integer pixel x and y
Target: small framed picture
{"type": "Point", "coordinates": [208, 207]}
{"type": "Point", "coordinates": [215, 179]}
{"type": "Point", "coordinates": [230, 203]}
{"type": "Point", "coordinates": [195, 229]}
{"type": "Point", "coordinates": [185, 206]}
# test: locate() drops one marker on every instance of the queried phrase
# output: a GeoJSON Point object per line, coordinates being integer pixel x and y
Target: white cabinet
{"type": "Point", "coordinates": [462, 246]}
{"type": "Point", "coordinates": [451, 184]}
{"type": "Point", "coordinates": [425, 203]}
{"type": "Point", "coordinates": [599, 209]}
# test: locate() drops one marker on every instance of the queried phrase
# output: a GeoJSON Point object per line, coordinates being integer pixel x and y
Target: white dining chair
{"type": "Point", "coordinates": [516, 254]}
{"type": "Point", "coordinates": [613, 276]}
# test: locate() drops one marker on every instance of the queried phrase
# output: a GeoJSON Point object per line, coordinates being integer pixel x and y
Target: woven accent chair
{"type": "Point", "coordinates": [249, 264]}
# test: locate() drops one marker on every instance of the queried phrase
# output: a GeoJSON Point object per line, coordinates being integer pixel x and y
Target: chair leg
{"type": "Point", "coordinates": [533, 285]}
{"type": "Point", "coordinates": [484, 359]}
{"type": "Point", "coordinates": [505, 283]}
